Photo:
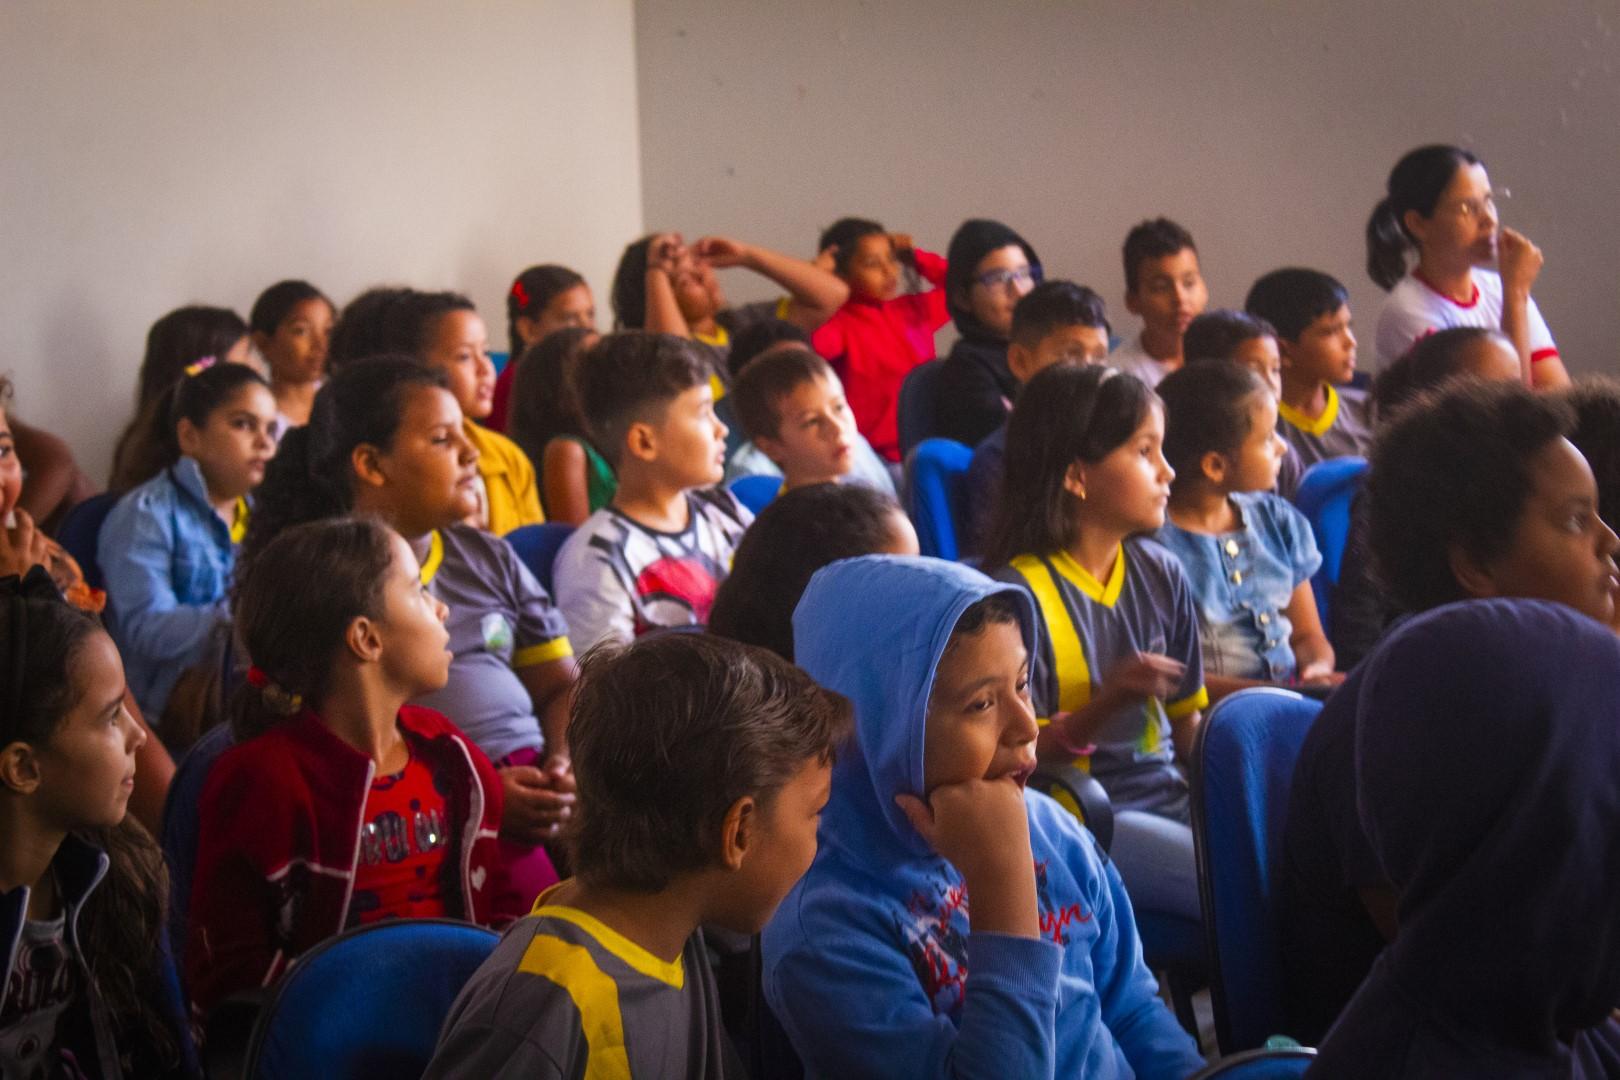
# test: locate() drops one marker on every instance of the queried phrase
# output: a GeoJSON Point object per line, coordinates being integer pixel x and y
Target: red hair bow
{"type": "Point", "coordinates": [520, 294]}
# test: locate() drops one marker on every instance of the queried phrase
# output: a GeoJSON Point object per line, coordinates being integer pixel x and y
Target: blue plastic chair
{"type": "Point", "coordinates": [537, 546]}
{"type": "Point", "coordinates": [1242, 769]}
{"type": "Point", "coordinates": [917, 412]}
{"type": "Point", "coordinates": [368, 1002]}
{"type": "Point", "coordinates": [756, 492]}
{"type": "Point", "coordinates": [1325, 493]}
{"type": "Point", "coordinates": [1270, 1063]}
{"type": "Point", "coordinates": [79, 531]}
{"type": "Point", "coordinates": [937, 493]}
{"type": "Point", "coordinates": [500, 360]}
{"type": "Point", "coordinates": [182, 826]}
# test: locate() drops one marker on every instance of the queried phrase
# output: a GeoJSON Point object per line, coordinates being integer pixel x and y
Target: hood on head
{"type": "Point", "coordinates": [972, 241]}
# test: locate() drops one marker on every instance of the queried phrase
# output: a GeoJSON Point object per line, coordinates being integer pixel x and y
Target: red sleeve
{"type": "Point", "coordinates": [930, 266]}
{"type": "Point", "coordinates": [828, 338]}
{"type": "Point", "coordinates": [496, 421]}
{"type": "Point", "coordinates": [1542, 354]}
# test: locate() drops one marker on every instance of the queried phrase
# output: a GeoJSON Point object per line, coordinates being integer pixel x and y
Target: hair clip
{"type": "Point", "coordinates": [520, 294]}
{"type": "Point", "coordinates": [201, 365]}
{"type": "Point", "coordinates": [276, 699]}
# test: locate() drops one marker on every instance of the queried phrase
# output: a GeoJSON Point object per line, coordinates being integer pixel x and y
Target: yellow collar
{"type": "Point", "coordinates": [1082, 579]}
{"type": "Point", "coordinates": [1318, 426]}
{"type": "Point", "coordinates": [435, 556]}
{"type": "Point", "coordinates": [239, 521]}
{"type": "Point", "coordinates": [639, 959]}
{"type": "Point", "coordinates": [719, 339]}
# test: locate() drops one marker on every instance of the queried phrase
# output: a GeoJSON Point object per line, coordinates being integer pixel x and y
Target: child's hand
{"type": "Point", "coordinates": [1320, 673]}
{"type": "Point", "coordinates": [1145, 675]}
{"type": "Point", "coordinates": [1518, 259]}
{"type": "Point", "coordinates": [721, 252]}
{"type": "Point", "coordinates": [901, 241]}
{"type": "Point", "coordinates": [664, 253]}
{"type": "Point", "coordinates": [559, 772]}
{"type": "Point", "coordinates": [21, 547]}
{"type": "Point", "coordinates": [979, 825]}
{"type": "Point", "coordinates": [533, 813]}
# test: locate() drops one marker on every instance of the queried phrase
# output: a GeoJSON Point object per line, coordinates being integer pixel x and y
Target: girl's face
{"type": "Point", "coordinates": [874, 272]}
{"type": "Point", "coordinates": [1464, 222]}
{"type": "Point", "coordinates": [1000, 280]}
{"type": "Point", "coordinates": [234, 445]}
{"type": "Point", "coordinates": [10, 470]}
{"type": "Point", "coordinates": [1127, 490]}
{"type": "Point", "coordinates": [571, 307]}
{"type": "Point", "coordinates": [981, 723]}
{"type": "Point", "coordinates": [415, 652]}
{"type": "Point", "coordinates": [459, 347]}
{"type": "Point", "coordinates": [296, 352]}
{"type": "Point", "coordinates": [428, 477]}
{"type": "Point", "coordinates": [87, 766]}
{"type": "Point", "coordinates": [1254, 466]}
{"type": "Point", "coordinates": [697, 289]}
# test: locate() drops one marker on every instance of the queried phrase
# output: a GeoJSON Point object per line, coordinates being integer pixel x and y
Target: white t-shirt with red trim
{"type": "Point", "coordinates": [1416, 309]}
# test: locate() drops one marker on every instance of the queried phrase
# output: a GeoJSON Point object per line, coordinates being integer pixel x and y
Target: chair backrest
{"type": "Point", "coordinates": [937, 492]}
{"type": "Point", "coordinates": [182, 826]}
{"type": "Point", "coordinates": [1270, 1063]}
{"type": "Point", "coordinates": [537, 546]}
{"type": "Point", "coordinates": [917, 413]}
{"type": "Point", "coordinates": [1242, 768]}
{"type": "Point", "coordinates": [79, 531]}
{"type": "Point", "coordinates": [367, 1003]}
{"type": "Point", "coordinates": [756, 492]}
{"type": "Point", "coordinates": [1325, 493]}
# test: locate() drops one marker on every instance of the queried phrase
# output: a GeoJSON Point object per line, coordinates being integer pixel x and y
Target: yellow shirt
{"type": "Point", "coordinates": [509, 483]}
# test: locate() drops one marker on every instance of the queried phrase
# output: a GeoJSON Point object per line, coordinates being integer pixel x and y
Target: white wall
{"type": "Point", "coordinates": [1266, 128]}
{"type": "Point", "coordinates": [174, 151]}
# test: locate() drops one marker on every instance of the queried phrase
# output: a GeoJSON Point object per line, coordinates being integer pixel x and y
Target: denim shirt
{"type": "Point", "coordinates": [1241, 583]}
{"type": "Point", "coordinates": [167, 558]}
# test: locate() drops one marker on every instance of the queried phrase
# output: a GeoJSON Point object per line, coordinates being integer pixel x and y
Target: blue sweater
{"type": "Point", "coordinates": [871, 963]}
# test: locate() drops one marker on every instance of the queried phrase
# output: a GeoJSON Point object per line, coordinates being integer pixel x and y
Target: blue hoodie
{"type": "Point", "coordinates": [870, 963]}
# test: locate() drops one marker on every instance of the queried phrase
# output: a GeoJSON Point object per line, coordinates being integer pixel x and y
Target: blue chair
{"type": "Point", "coordinates": [500, 360]}
{"type": "Point", "coordinates": [537, 546]}
{"type": "Point", "coordinates": [1325, 493]}
{"type": "Point", "coordinates": [80, 529]}
{"type": "Point", "coordinates": [1269, 1063]}
{"type": "Point", "coordinates": [756, 492]}
{"type": "Point", "coordinates": [937, 492]}
{"type": "Point", "coordinates": [917, 412]}
{"type": "Point", "coordinates": [367, 1003]}
{"type": "Point", "coordinates": [182, 826]}
{"type": "Point", "coordinates": [1242, 768]}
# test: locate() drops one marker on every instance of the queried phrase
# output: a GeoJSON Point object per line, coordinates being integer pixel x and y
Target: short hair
{"type": "Point", "coordinates": [1216, 335]}
{"type": "Point", "coordinates": [760, 388]}
{"type": "Point", "coordinates": [668, 733]}
{"type": "Point", "coordinates": [1055, 305]}
{"type": "Point", "coordinates": [846, 234]}
{"type": "Point", "coordinates": [1452, 471]}
{"type": "Point", "coordinates": [1431, 361]}
{"type": "Point", "coordinates": [997, 609]}
{"type": "Point", "coordinates": [630, 373]}
{"type": "Point", "coordinates": [366, 327]}
{"type": "Point", "coordinates": [1205, 410]}
{"type": "Point", "coordinates": [1292, 298]}
{"type": "Point", "coordinates": [1153, 239]}
{"type": "Point", "coordinates": [1596, 401]}
{"type": "Point", "coordinates": [757, 337]}
{"type": "Point", "coordinates": [273, 306]}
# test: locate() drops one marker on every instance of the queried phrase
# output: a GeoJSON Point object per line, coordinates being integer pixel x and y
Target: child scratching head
{"type": "Point", "coordinates": [1220, 424]}
{"type": "Point", "coordinates": [864, 256]}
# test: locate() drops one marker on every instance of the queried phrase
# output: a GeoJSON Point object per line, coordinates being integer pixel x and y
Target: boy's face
{"type": "Point", "coordinates": [1260, 355]}
{"type": "Point", "coordinates": [780, 849]}
{"type": "Point", "coordinates": [981, 724]}
{"type": "Point", "coordinates": [1254, 466]}
{"type": "Point", "coordinates": [1077, 344]}
{"type": "Point", "coordinates": [688, 442]}
{"type": "Point", "coordinates": [874, 272]}
{"type": "Point", "coordinates": [1169, 293]}
{"type": "Point", "coordinates": [815, 434]}
{"type": "Point", "coordinates": [1325, 351]}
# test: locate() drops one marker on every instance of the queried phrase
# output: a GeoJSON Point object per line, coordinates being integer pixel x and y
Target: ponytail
{"type": "Point", "coordinates": [1387, 243]}
{"type": "Point", "coordinates": [1415, 183]}
{"type": "Point", "coordinates": [152, 443]}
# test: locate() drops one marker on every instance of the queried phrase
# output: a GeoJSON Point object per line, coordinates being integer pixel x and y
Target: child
{"type": "Point", "coordinates": [879, 334]}
{"type": "Point", "coordinates": [792, 407]}
{"type": "Point", "coordinates": [1596, 401]}
{"type": "Point", "coordinates": [168, 547]}
{"type": "Point", "coordinates": [797, 534]}
{"type": "Point", "coordinates": [548, 424]}
{"type": "Point", "coordinates": [25, 544]}
{"type": "Point", "coordinates": [87, 990]}
{"type": "Point", "coordinates": [291, 323]}
{"type": "Point", "coordinates": [874, 964]}
{"type": "Point", "coordinates": [1439, 204]}
{"type": "Point", "coordinates": [988, 269]}
{"type": "Point", "coordinates": [541, 301]}
{"type": "Point", "coordinates": [1248, 554]}
{"type": "Point", "coordinates": [1225, 334]}
{"type": "Point", "coordinates": [1118, 680]}
{"type": "Point", "coordinates": [1476, 492]}
{"type": "Point", "coordinates": [655, 555]}
{"type": "Point", "coordinates": [706, 817]}
{"type": "Point", "coordinates": [1164, 287]}
{"type": "Point", "coordinates": [1324, 417]}
{"type": "Point", "coordinates": [340, 805]}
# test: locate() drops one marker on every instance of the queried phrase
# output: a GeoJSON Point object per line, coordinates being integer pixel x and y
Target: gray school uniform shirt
{"type": "Point", "coordinates": [1343, 430]}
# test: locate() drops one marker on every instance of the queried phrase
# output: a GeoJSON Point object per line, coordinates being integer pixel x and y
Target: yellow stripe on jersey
{"type": "Point", "coordinates": [543, 653]}
{"type": "Point", "coordinates": [638, 959]}
{"type": "Point", "coordinates": [1317, 427]}
{"type": "Point", "coordinates": [1198, 699]}
{"type": "Point", "coordinates": [1069, 667]}
{"type": "Point", "coordinates": [435, 556]}
{"type": "Point", "coordinates": [594, 994]}
{"type": "Point", "coordinates": [1106, 595]}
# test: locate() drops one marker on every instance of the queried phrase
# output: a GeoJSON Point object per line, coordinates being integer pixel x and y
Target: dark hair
{"type": "Point", "coordinates": [293, 633]}
{"type": "Point", "coordinates": [545, 392]}
{"type": "Point", "coordinates": [756, 337]}
{"type": "Point", "coordinates": [627, 374]}
{"type": "Point", "coordinates": [418, 315]}
{"type": "Point", "coordinates": [1292, 298]}
{"type": "Point", "coordinates": [1432, 359]}
{"type": "Point", "coordinates": [714, 721]}
{"type": "Point", "coordinates": [153, 443]}
{"type": "Point", "coordinates": [997, 609]}
{"type": "Point", "coordinates": [1415, 183]}
{"type": "Point", "coordinates": [365, 327]}
{"type": "Point", "coordinates": [1596, 401]}
{"type": "Point", "coordinates": [801, 531]}
{"type": "Point", "coordinates": [973, 240]}
{"type": "Point", "coordinates": [273, 306]}
{"type": "Point", "coordinates": [180, 339]}
{"type": "Point", "coordinates": [531, 293]}
{"type": "Point", "coordinates": [846, 234]}
{"type": "Point", "coordinates": [1052, 306]}
{"type": "Point", "coordinates": [759, 389]}
{"type": "Point", "coordinates": [629, 295]}
{"type": "Point", "coordinates": [1153, 239]}
{"type": "Point", "coordinates": [1452, 471]}
{"type": "Point", "coordinates": [1216, 335]}
{"type": "Point", "coordinates": [1206, 408]}
{"type": "Point", "coordinates": [1064, 415]}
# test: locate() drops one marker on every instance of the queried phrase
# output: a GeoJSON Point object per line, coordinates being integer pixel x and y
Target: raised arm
{"type": "Point", "coordinates": [814, 293]}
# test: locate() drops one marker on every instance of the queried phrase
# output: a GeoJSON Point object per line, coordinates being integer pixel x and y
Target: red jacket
{"type": "Point", "coordinates": [281, 821]}
{"type": "Point", "coordinates": [873, 345]}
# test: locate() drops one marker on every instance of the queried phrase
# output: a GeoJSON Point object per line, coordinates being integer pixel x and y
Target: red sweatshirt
{"type": "Point", "coordinates": [874, 344]}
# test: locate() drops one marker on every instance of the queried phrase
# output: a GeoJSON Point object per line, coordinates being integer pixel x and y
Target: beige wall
{"type": "Point", "coordinates": [172, 151]}
{"type": "Point", "coordinates": [1267, 128]}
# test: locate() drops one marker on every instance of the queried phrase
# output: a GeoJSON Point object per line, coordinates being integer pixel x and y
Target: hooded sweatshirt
{"type": "Point", "coordinates": [976, 387]}
{"type": "Point", "coordinates": [871, 963]}
{"type": "Point", "coordinates": [1488, 780]}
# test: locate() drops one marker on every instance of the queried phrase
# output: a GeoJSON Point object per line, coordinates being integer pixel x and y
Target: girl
{"type": "Point", "coordinates": [168, 547]}
{"type": "Point", "coordinates": [1119, 672]}
{"type": "Point", "coordinates": [989, 268]}
{"type": "Point", "coordinates": [879, 335]}
{"type": "Point", "coordinates": [1248, 554]}
{"type": "Point", "coordinates": [1439, 204]}
{"type": "Point", "coordinates": [291, 323]}
{"type": "Point", "coordinates": [341, 805]}
{"type": "Point", "coordinates": [548, 424]}
{"type": "Point", "coordinates": [87, 990]}
{"type": "Point", "coordinates": [386, 437]}
{"type": "Point", "coordinates": [22, 545]}
{"type": "Point", "coordinates": [542, 300]}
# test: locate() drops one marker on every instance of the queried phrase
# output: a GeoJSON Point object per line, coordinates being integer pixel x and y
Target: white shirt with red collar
{"type": "Point", "coordinates": [1416, 309]}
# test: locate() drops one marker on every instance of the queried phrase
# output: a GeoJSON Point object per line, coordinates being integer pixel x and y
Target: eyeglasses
{"type": "Point", "coordinates": [1000, 279]}
{"type": "Point", "coordinates": [1474, 209]}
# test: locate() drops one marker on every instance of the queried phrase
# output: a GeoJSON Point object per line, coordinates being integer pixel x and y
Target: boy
{"type": "Point", "coordinates": [1165, 289]}
{"type": "Point", "coordinates": [792, 407]}
{"type": "Point", "coordinates": [1056, 322]}
{"type": "Point", "coordinates": [1224, 334]}
{"type": "Point", "coordinates": [706, 816]}
{"type": "Point", "coordinates": [874, 964]}
{"type": "Point", "coordinates": [655, 555]}
{"type": "Point", "coordinates": [1323, 416]}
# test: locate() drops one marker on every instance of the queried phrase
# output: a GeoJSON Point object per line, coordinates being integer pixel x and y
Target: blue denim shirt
{"type": "Point", "coordinates": [168, 559]}
{"type": "Point", "coordinates": [1241, 583]}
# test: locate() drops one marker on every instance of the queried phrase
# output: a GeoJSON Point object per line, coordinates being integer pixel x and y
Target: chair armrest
{"type": "Point", "coordinates": [1079, 793]}
{"type": "Point", "coordinates": [227, 1033]}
